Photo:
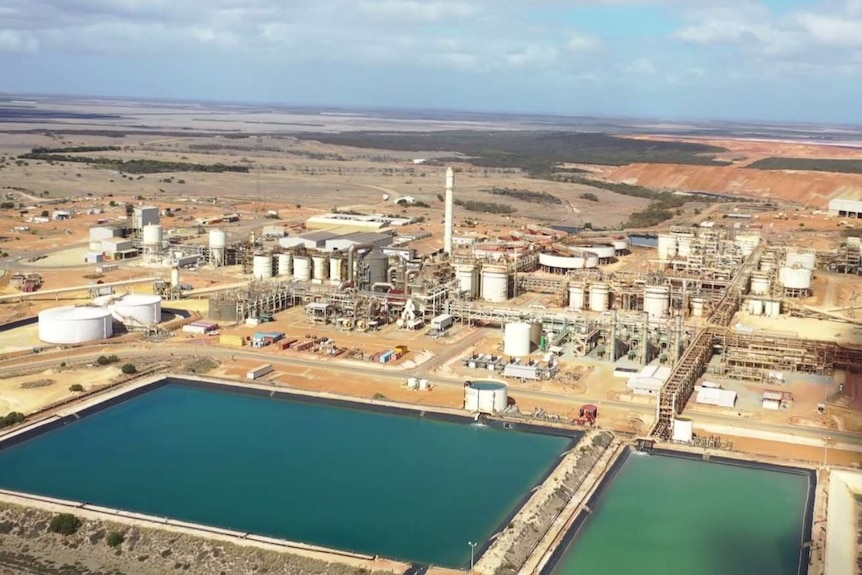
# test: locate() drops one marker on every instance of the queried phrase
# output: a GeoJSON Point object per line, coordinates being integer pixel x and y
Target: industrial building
{"type": "Point", "coordinates": [845, 208]}
{"type": "Point", "coordinates": [356, 222]}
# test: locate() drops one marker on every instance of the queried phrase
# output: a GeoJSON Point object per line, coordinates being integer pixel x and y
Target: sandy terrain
{"type": "Point", "coordinates": [14, 396]}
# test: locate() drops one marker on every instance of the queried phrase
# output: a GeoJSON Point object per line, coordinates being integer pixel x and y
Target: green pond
{"type": "Point", "coordinates": [399, 486]}
{"type": "Point", "coordinates": [678, 517]}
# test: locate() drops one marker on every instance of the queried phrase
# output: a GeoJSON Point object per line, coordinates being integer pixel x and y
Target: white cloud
{"type": "Point", "coordinates": [18, 41]}
{"type": "Point", "coordinates": [641, 67]}
{"type": "Point", "coordinates": [583, 43]}
{"type": "Point", "coordinates": [414, 10]}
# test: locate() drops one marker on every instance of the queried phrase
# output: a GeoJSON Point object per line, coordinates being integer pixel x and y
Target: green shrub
{"type": "Point", "coordinates": [64, 524]}
{"type": "Point", "coordinates": [11, 418]}
{"type": "Point", "coordinates": [76, 387]}
{"type": "Point", "coordinates": [115, 539]}
{"type": "Point", "coordinates": [129, 369]}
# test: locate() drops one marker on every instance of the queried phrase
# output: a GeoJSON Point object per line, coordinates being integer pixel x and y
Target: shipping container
{"type": "Point", "coordinates": [235, 340]}
{"type": "Point", "coordinates": [259, 371]}
{"type": "Point", "coordinates": [442, 322]}
{"type": "Point", "coordinates": [386, 356]}
{"type": "Point", "coordinates": [400, 349]}
{"type": "Point", "coordinates": [286, 343]}
{"type": "Point", "coordinates": [302, 346]}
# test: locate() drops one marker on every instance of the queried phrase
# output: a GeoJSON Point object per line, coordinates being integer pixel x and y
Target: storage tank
{"type": "Point", "coordinates": [656, 301]}
{"type": "Point", "coordinates": [603, 251]}
{"type": "Point", "coordinates": [301, 268]}
{"type": "Point", "coordinates": [336, 269]}
{"type": "Point", "coordinates": [800, 260]}
{"type": "Point", "coordinates": [576, 296]}
{"type": "Point", "coordinates": [683, 429]}
{"type": "Point", "coordinates": [599, 297]}
{"type": "Point", "coordinates": [759, 283]}
{"type": "Point", "coordinates": [592, 260]}
{"type": "Point", "coordinates": [683, 245]}
{"type": "Point", "coordinates": [320, 267]}
{"type": "Point", "coordinates": [767, 264]}
{"type": "Point", "coordinates": [621, 245]}
{"type": "Point", "coordinates": [133, 309]}
{"type": "Point", "coordinates": [70, 324]}
{"type": "Point", "coordinates": [152, 235]}
{"type": "Point", "coordinates": [795, 278]}
{"type": "Point", "coordinates": [666, 247]}
{"type": "Point", "coordinates": [697, 306]}
{"type": "Point", "coordinates": [516, 341]}
{"type": "Point", "coordinates": [495, 283]}
{"type": "Point", "coordinates": [217, 239]}
{"type": "Point", "coordinates": [261, 268]}
{"type": "Point", "coordinates": [486, 396]}
{"type": "Point", "coordinates": [755, 307]}
{"type": "Point", "coordinates": [772, 308]}
{"type": "Point", "coordinates": [285, 264]}
{"type": "Point", "coordinates": [175, 277]}
{"type": "Point", "coordinates": [465, 275]}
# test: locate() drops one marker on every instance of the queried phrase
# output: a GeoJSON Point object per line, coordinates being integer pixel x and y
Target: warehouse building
{"type": "Point", "coordinates": [845, 208]}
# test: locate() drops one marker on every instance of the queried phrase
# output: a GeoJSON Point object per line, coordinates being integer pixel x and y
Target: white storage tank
{"type": "Point", "coordinates": [285, 264]}
{"type": "Point", "coordinates": [133, 309]}
{"type": "Point", "coordinates": [683, 245]}
{"type": "Point", "coordinates": [666, 247]}
{"type": "Point", "coordinates": [772, 308]}
{"type": "Point", "coordinates": [759, 283]}
{"type": "Point", "coordinates": [577, 293]}
{"type": "Point", "coordinates": [697, 306]}
{"type": "Point", "coordinates": [152, 235]}
{"type": "Point", "coordinates": [495, 283]}
{"type": "Point", "coordinates": [800, 260]}
{"type": "Point", "coordinates": [599, 297]}
{"type": "Point", "coordinates": [486, 396]}
{"type": "Point", "coordinates": [657, 301]}
{"type": "Point", "coordinates": [592, 260]}
{"type": "Point", "coordinates": [336, 269]}
{"type": "Point", "coordinates": [517, 339]}
{"type": "Point", "coordinates": [301, 268]}
{"type": "Point", "coordinates": [465, 275]}
{"type": "Point", "coordinates": [755, 307]}
{"type": "Point", "coordinates": [70, 324]}
{"type": "Point", "coordinates": [767, 264]}
{"type": "Point", "coordinates": [218, 239]}
{"type": "Point", "coordinates": [320, 267]}
{"type": "Point", "coordinates": [604, 252]}
{"type": "Point", "coordinates": [261, 268]}
{"type": "Point", "coordinates": [621, 245]}
{"type": "Point", "coordinates": [175, 277]}
{"type": "Point", "coordinates": [795, 278]}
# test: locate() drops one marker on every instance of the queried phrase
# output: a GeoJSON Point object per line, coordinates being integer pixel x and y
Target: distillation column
{"type": "Point", "coordinates": [449, 209]}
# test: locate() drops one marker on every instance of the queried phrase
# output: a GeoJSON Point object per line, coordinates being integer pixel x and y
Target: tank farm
{"type": "Point", "coordinates": [413, 488]}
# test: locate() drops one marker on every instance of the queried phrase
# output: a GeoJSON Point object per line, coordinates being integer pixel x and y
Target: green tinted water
{"type": "Point", "coordinates": [392, 485]}
{"type": "Point", "coordinates": [679, 517]}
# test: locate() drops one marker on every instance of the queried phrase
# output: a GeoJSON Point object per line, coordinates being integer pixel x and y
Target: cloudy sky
{"type": "Point", "coordinates": [724, 59]}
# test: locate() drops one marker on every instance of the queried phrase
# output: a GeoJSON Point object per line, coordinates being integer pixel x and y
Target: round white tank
{"type": "Point", "coordinates": [755, 307]}
{"type": "Point", "coordinates": [621, 245]}
{"type": "Point", "coordinates": [656, 301]}
{"type": "Point", "coordinates": [592, 260]}
{"type": "Point", "coordinates": [772, 308]}
{"type": "Point", "coordinates": [599, 297]}
{"type": "Point", "coordinates": [666, 247]}
{"type": "Point", "coordinates": [152, 235]}
{"type": "Point", "coordinates": [517, 339]}
{"type": "Point", "coordinates": [175, 277]}
{"type": "Point", "coordinates": [320, 267]}
{"type": "Point", "coordinates": [261, 268]}
{"type": "Point", "coordinates": [336, 267]}
{"type": "Point", "coordinates": [301, 268]}
{"type": "Point", "coordinates": [683, 245]}
{"type": "Point", "coordinates": [759, 283]}
{"type": "Point", "coordinates": [767, 265]}
{"type": "Point", "coordinates": [465, 275]}
{"type": "Point", "coordinates": [486, 396]}
{"type": "Point", "coordinates": [577, 293]}
{"type": "Point", "coordinates": [70, 324]}
{"type": "Point", "coordinates": [683, 429]}
{"type": "Point", "coordinates": [697, 306]}
{"type": "Point", "coordinates": [495, 283]}
{"type": "Point", "coordinates": [604, 252]}
{"type": "Point", "coordinates": [795, 278]}
{"type": "Point", "coordinates": [285, 264]}
{"type": "Point", "coordinates": [218, 239]}
{"type": "Point", "coordinates": [133, 309]}
{"type": "Point", "coordinates": [800, 260]}
{"type": "Point", "coordinates": [573, 262]}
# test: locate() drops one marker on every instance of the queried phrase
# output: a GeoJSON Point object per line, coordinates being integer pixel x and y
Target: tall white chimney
{"type": "Point", "coordinates": [449, 224]}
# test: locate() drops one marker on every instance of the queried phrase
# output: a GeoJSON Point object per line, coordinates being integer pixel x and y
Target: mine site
{"type": "Point", "coordinates": [261, 339]}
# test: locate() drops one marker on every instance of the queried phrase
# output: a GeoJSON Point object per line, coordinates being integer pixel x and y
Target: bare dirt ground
{"type": "Point", "coordinates": [34, 391]}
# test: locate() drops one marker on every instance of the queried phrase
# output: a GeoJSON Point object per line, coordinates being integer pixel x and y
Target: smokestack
{"type": "Point", "coordinates": [450, 206]}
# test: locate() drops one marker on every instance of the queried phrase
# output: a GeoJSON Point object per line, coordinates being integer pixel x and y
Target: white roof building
{"type": "Point", "coordinates": [717, 397]}
{"type": "Point", "coordinates": [649, 380]}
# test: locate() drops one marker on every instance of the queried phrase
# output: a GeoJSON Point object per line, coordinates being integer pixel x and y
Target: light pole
{"type": "Point", "coordinates": [826, 441]}
{"type": "Point", "coordinates": [472, 549]}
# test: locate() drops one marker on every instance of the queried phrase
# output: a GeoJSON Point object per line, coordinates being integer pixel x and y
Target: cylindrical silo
{"type": "Point", "coordinates": [666, 246]}
{"type": "Point", "coordinates": [697, 306]}
{"type": "Point", "coordinates": [755, 307]}
{"type": "Point", "coordinates": [152, 235]}
{"type": "Point", "coordinates": [805, 260]}
{"type": "Point", "coordinates": [577, 293]}
{"type": "Point", "coordinates": [795, 278]}
{"type": "Point", "coordinates": [217, 246]}
{"type": "Point", "coordinates": [320, 267]}
{"type": "Point", "coordinates": [599, 297]}
{"type": "Point", "coordinates": [486, 396]}
{"type": "Point", "coordinates": [70, 324]}
{"type": "Point", "coordinates": [301, 268]}
{"type": "Point", "coordinates": [657, 301]}
{"type": "Point", "coordinates": [516, 341]}
{"type": "Point", "coordinates": [336, 269]}
{"type": "Point", "coordinates": [175, 277]}
{"type": "Point", "coordinates": [261, 267]}
{"type": "Point", "coordinates": [767, 263]}
{"type": "Point", "coordinates": [495, 283]}
{"type": "Point", "coordinates": [465, 275]}
{"type": "Point", "coordinates": [285, 264]}
{"type": "Point", "coordinates": [759, 283]}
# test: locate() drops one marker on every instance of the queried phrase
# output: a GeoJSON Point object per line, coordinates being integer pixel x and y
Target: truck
{"type": "Point", "coordinates": [259, 371]}
{"type": "Point", "coordinates": [442, 322]}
